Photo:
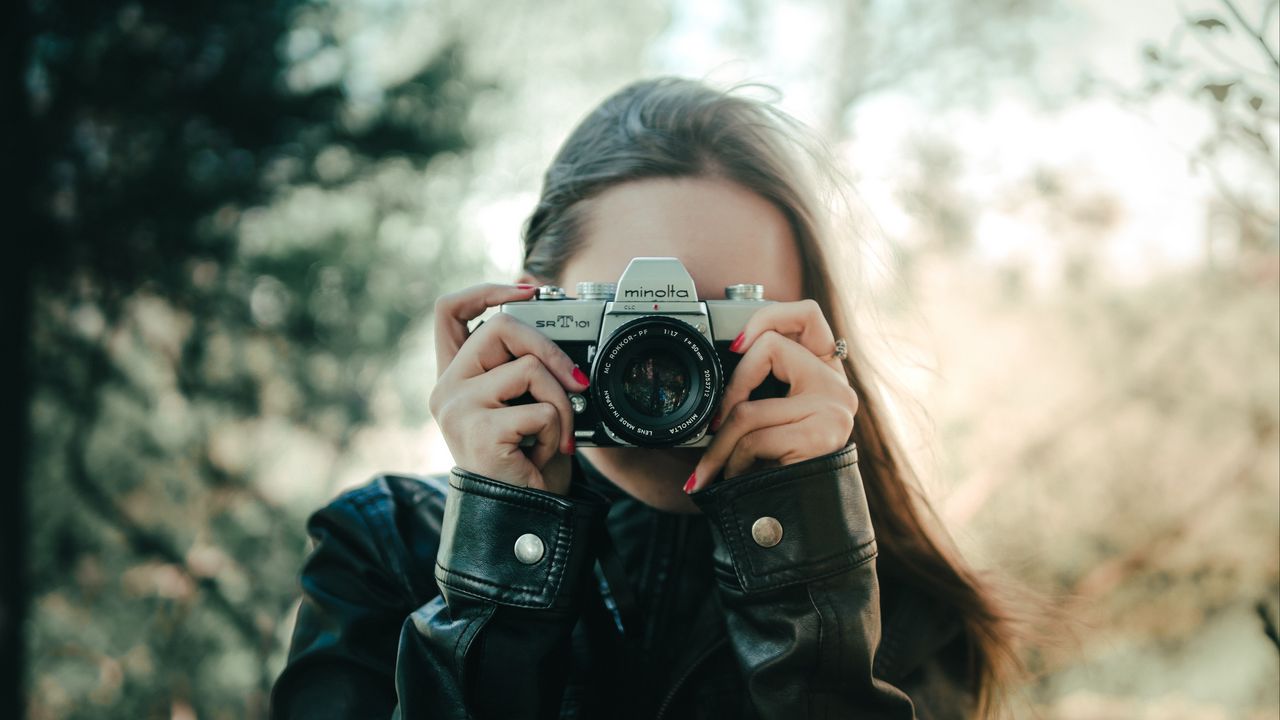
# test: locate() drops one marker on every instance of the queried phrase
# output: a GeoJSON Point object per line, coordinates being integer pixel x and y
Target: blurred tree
{"type": "Point", "coordinates": [955, 49]}
{"type": "Point", "coordinates": [940, 52]}
{"type": "Point", "coordinates": [1221, 57]}
{"type": "Point", "coordinates": [1113, 443]}
{"type": "Point", "coordinates": [210, 266]}
{"type": "Point", "coordinates": [15, 304]}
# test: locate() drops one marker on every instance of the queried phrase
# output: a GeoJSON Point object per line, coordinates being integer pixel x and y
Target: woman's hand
{"type": "Point", "coordinates": [480, 371]}
{"type": "Point", "coordinates": [793, 341]}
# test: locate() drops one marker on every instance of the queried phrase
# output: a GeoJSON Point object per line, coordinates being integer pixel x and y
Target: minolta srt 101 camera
{"type": "Point", "coordinates": [657, 356]}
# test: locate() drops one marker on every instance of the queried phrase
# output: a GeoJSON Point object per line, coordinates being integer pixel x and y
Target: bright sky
{"type": "Point", "coordinates": [1137, 156]}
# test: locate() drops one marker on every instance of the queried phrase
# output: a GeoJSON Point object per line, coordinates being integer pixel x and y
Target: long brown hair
{"type": "Point", "coordinates": [670, 128]}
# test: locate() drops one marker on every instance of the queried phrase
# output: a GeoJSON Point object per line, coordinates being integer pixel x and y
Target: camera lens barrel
{"type": "Point", "coordinates": [655, 381]}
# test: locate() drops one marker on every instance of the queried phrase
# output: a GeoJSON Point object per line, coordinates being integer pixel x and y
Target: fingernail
{"type": "Point", "coordinates": [580, 377]}
{"type": "Point", "coordinates": [693, 480]}
{"type": "Point", "coordinates": [737, 342]}
{"type": "Point", "coordinates": [525, 286]}
{"type": "Point", "coordinates": [715, 423]}
{"type": "Point", "coordinates": [572, 445]}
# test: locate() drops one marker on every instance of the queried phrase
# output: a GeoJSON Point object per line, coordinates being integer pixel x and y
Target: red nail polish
{"type": "Point", "coordinates": [572, 445]}
{"type": "Point", "coordinates": [737, 342]}
{"type": "Point", "coordinates": [693, 480]}
{"type": "Point", "coordinates": [715, 423]}
{"type": "Point", "coordinates": [579, 376]}
{"type": "Point", "coordinates": [525, 286]}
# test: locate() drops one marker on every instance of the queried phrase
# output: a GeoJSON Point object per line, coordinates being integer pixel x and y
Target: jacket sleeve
{"type": "Point", "coordinates": [493, 643]}
{"type": "Point", "coordinates": [795, 560]}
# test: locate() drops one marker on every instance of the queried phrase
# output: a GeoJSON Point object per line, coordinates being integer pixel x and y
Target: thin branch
{"type": "Point", "coordinates": [1210, 47]}
{"type": "Point", "coordinates": [1198, 157]}
{"type": "Point", "coordinates": [1255, 34]}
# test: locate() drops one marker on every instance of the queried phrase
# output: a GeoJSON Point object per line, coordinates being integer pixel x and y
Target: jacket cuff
{"type": "Point", "coordinates": [818, 505]}
{"type": "Point", "coordinates": [513, 545]}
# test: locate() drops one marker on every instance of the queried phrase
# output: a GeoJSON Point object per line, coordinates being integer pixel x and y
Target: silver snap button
{"type": "Point", "coordinates": [766, 531]}
{"type": "Point", "coordinates": [529, 548]}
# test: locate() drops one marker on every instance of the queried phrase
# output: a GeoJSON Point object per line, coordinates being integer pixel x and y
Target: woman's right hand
{"type": "Point", "coordinates": [479, 372]}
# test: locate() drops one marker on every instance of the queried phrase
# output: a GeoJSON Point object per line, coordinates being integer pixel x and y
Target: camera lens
{"type": "Point", "coordinates": [656, 384]}
{"type": "Point", "coordinates": [655, 381]}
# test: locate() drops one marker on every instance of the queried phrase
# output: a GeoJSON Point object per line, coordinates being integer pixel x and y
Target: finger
{"type": "Point", "coordinates": [455, 310]}
{"type": "Point", "coordinates": [801, 321]}
{"type": "Point", "coordinates": [785, 359]}
{"type": "Point", "coordinates": [767, 444]}
{"type": "Point", "coordinates": [525, 374]}
{"type": "Point", "coordinates": [511, 425]}
{"type": "Point", "coordinates": [745, 418]}
{"type": "Point", "coordinates": [504, 338]}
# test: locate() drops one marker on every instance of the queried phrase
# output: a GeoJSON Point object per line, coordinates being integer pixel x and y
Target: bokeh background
{"type": "Point", "coordinates": [234, 217]}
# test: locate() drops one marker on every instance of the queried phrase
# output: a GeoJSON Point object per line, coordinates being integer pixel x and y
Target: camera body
{"type": "Point", "coordinates": [657, 357]}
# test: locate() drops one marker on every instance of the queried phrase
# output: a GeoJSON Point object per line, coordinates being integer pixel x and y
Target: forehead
{"type": "Point", "coordinates": [723, 233]}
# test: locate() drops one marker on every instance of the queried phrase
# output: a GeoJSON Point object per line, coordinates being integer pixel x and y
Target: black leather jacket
{"type": "Point", "coordinates": [416, 605]}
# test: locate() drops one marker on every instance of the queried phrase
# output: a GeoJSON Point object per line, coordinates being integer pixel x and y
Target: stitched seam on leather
{"type": "Point", "coordinates": [558, 569]}
{"type": "Point", "coordinates": [886, 656]}
{"type": "Point", "coordinates": [460, 653]}
{"type": "Point", "coordinates": [478, 594]}
{"type": "Point", "coordinates": [551, 578]}
{"type": "Point", "coordinates": [854, 563]}
{"type": "Point", "coordinates": [746, 484]}
{"type": "Point", "coordinates": [735, 501]}
{"type": "Point", "coordinates": [544, 511]}
{"type": "Point", "coordinates": [560, 514]}
{"type": "Point", "coordinates": [553, 575]}
{"type": "Point", "coordinates": [821, 559]}
{"type": "Point", "coordinates": [481, 581]}
{"type": "Point", "coordinates": [800, 565]}
{"type": "Point", "coordinates": [551, 581]}
{"type": "Point", "coordinates": [737, 546]}
{"type": "Point", "coordinates": [808, 686]}
{"type": "Point", "coordinates": [755, 486]}
{"type": "Point", "coordinates": [842, 647]}
{"type": "Point", "coordinates": [494, 488]}
{"type": "Point", "coordinates": [817, 611]}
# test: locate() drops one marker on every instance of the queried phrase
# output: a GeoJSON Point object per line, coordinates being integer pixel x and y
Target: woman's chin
{"type": "Point", "coordinates": [654, 477]}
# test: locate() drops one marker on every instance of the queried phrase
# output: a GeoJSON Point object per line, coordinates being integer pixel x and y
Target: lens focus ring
{"type": "Point", "coordinates": [655, 381]}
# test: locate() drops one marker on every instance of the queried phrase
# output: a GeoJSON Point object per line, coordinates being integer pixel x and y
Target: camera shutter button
{"type": "Point", "coordinates": [744, 292]}
{"type": "Point", "coordinates": [597, 290]}
{"type": "Point", "coordinates": [550, 292]}
{"type": "Point", "coordinates": [529, 548]}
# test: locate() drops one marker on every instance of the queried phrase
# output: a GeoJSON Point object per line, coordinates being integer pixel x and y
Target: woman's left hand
{"type": "Point", "coordinates": [793, 341]}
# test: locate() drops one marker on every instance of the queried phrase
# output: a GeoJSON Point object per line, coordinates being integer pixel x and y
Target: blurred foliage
{"type": "Point", "coordinates": [247, 208]}
{"type": "Point", "coordinates": [1222, 59]}
{"type": "Point", "coordinates": [233, 243]}
{"type": "Point", "coordinates": [1116, 445]}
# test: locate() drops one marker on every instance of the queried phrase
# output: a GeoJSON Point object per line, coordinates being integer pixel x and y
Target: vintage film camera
{"type": "Point", "coordinates": [657, 357]}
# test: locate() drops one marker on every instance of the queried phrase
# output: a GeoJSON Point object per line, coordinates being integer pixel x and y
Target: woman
{"type": "Point", "coordinates": [739, 581]}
